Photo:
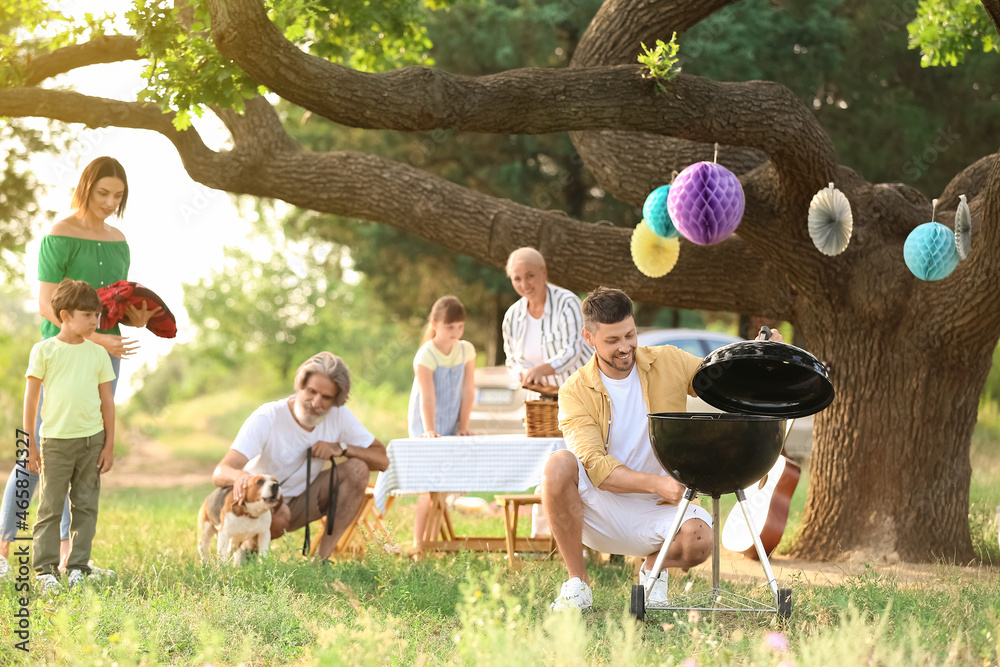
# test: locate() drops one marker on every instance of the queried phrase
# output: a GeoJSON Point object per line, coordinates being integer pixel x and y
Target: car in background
{"type": "Point", "coordinates": [696, 341]}
{"type": "Point", "coordinates": [499, 406]}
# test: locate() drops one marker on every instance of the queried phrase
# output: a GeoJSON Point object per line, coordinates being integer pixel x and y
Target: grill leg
{"type": "Point", "coordinates": [742, 498]}
{"type": "Point", "coordinates": [716, 542]}
{"type": "Point", "coordinates": [662, 556]}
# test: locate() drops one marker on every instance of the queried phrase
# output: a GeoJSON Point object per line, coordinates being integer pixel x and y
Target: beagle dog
{"type": "Point", "coordinates": [236, 523]}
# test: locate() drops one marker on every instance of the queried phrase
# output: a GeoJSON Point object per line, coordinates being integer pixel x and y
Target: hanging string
{"type": "Point", "coordinates": [934, 210]}
{"type": "Point", "coordinates": [716, 158]}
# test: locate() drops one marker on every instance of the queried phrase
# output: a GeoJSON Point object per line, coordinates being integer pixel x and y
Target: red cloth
{"type": "Point", "coordinates": [117, 296]}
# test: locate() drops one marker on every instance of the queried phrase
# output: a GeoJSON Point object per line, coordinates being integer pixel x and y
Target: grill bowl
{"type": "Point", "coordinates": [716, 453]}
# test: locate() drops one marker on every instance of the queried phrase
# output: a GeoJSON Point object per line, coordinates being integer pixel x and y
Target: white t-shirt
{"type": "Point", "coordinates": [276, 444]}
{"type": "Point", "coordinates": [531, 344]}
{"type": "Point", "coordinates": [532, 351]}
{"type": "Point", "coordinates": [629, 438]}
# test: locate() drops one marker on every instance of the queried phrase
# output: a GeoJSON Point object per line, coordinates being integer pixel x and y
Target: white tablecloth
{"type": "Point", "coordinates": [499, 463]}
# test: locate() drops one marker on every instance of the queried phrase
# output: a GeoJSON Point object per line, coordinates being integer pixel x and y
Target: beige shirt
{"type": "Point", "coordinates": [665, 374]}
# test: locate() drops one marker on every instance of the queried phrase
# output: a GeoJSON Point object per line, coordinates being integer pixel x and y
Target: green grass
{"type": "Point", "coordinates": [468, 609]}
{"type": "Point", "coordinates": [166, 608]}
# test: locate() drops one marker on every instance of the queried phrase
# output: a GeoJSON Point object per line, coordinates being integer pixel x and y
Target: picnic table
{"type": "Point", "coordinates": [499, 463]}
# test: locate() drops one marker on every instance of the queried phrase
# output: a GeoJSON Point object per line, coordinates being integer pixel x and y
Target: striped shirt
{"type": "Point", "coordinates": [563, 346]}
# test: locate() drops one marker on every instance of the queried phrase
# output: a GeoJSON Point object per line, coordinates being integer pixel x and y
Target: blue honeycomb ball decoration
{"type": "Point", "coordinates": [654, 212]}
{"type": "Point", "coordinates": [930, 252]}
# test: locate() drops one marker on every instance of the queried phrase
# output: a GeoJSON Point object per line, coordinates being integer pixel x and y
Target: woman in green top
{"type": "Point", "coordinates": [82, 247]}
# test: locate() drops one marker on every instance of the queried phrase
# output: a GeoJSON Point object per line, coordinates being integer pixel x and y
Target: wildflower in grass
{"type": "Point", "coordinates": [776, 641]}
{"type": "Point", "coordinates": [694, 616]}
{"type": "Point", "coordinates": [688, 586]}
{"type": "Point", "coordinates": [689, 662]}
{"type": "Point", "coordinates": [113, 638]}
{"type": "Point", "coordinates": [667, 627]}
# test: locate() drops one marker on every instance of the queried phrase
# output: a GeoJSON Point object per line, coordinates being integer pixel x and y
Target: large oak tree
{"type": "Point", "coordinates": [890, 469]}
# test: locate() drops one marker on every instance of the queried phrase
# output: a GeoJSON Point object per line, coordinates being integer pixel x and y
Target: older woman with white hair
{"type": "Point", "coordinates": [542, 331]}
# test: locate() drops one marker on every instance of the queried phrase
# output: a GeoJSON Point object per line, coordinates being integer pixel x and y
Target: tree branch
{"type": "Point", "coordinates": [992, 8]}
{"type": "Point", "coordinates": [202, 164]}
{"type": "Point", "coordinates": [758, 114]}
{"type": "Point", "coordinates": [632, 164]}
{"type": "Point", "coordinates": [369, 187]}
{"type": "Point", "coordinates": [614, 36]}
{"type": "Point", "coordinates": [365, 186]}
{"type": "Point", "coordinates": [969, 182]}
{"type": "Point", "coordinates": [258, 130]}
{"type": "Point", "coordinates": [618, 28]}
{"type": "Point", "coordinates": [105, 49]}
{"type": "Point", "coordinates": [986, 233]}
{"type": "Point", "coordinates": [980, 183]}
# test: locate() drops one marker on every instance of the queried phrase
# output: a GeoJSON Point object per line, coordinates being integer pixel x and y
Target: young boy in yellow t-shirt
{"type": "Point", "coordinates": [79, 424]}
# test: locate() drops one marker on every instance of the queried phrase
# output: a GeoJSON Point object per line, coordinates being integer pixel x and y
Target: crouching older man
{"type": "Point", "coordinates": [278, 437]}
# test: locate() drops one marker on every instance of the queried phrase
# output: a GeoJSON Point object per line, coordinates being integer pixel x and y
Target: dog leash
{"type": "Point", "coordinates": [332, 507]}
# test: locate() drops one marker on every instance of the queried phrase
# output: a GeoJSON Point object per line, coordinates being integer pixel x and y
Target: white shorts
{"type": "Point", "coordinates": [632, 524]}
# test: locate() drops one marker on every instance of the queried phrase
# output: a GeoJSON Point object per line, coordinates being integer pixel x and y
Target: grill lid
{"type": "Point", "coordinates": [762, 377]}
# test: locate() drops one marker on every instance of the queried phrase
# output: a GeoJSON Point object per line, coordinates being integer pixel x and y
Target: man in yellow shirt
{"type": "Point", "coordinates": [608, 491]}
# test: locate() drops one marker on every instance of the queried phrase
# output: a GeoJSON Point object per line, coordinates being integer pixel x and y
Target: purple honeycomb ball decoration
{"type": "Point", "coordinates": [930, 252]}
{"type": "Point", "coordinates": [706, 203]}
{"type": "Point", "coordinates": [654, 212]}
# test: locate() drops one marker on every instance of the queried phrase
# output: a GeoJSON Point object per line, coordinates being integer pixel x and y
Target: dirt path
{"type": "Point", "coordinates": [150, 464]}
{"type": "Point", "coordinates": [789, 572]}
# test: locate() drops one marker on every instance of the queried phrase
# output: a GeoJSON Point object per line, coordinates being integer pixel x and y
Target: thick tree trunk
{"type": "Point", "coordinates": [890, 468]}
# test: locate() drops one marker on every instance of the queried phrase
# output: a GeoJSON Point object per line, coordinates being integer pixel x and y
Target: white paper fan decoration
{"type": "Point", "coordinates": [963, 228]}
{"type": "Point", "coordinates": [830, 221]}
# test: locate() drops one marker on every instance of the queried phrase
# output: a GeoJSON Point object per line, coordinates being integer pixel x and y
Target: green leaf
{"type": "Point", "coordinates": [661, 62]}
{"type": "Point", "coordinates": [945, 30]}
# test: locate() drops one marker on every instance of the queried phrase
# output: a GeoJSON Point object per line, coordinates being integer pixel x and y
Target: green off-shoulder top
{"type": "Point", "coordinates": [98, 263]}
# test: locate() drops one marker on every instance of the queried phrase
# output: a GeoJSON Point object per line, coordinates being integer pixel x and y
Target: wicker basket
{"type": "Point", "coordinates": [541, 419]}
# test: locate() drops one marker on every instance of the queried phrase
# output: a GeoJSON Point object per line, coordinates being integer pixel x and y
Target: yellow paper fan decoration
{"type": "Point", "coordinates": [652, 254]}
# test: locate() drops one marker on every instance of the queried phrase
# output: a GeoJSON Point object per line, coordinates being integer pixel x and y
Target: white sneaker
{"type": "Point", "coordinates": [98, 573]}
{"type": "Point", "coordinates": [574, 594]}
{"type": "Point", "coordinates": [48, 583]}
{"type": "Point", "coordinates": [75, 577]}
{"type": "Point", "coordinates": [4, 568]}
{"type": "Point", "coordinates": [658, 594]}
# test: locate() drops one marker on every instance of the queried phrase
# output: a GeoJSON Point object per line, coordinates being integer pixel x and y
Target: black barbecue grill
{"type": "Point", "coordinates": [763, 384]}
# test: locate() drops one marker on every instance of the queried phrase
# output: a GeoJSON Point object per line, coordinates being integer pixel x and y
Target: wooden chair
{"type": "Point", "coordinates": [511, 505]}
{"type": "Point", "coordinates": [368, 527]}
